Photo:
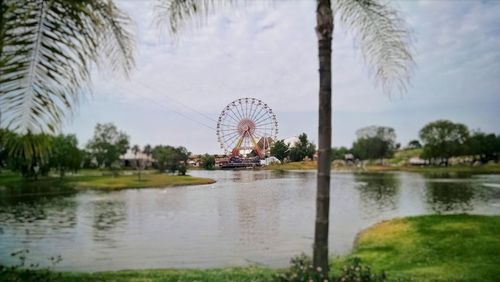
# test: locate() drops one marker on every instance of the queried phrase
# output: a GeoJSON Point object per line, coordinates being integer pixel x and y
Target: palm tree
{"type": "Point", "coordinates": [148, 151]}
{"type": "Point", "coordinates": [135, 149]}
{"type": "Point", "coordinates": [47, 51]}
{"type": "Point", "coordinates": [385, 45]}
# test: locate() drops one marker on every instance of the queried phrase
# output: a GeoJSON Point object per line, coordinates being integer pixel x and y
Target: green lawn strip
{"type": "Point", "coordinates": [102, 182]}
{"type": "Point", "coordinates": [311, 165]}
{"type": "Point", "coordinates": [132, 181]}
{"type": "Point", "coordinates": [209, 275]}
{"type": "Point", "coordinates": [304, 165]}
{"type": "Point", "coordinates": [433, 248]}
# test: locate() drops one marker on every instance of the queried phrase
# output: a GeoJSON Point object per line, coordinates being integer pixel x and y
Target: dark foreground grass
{"type": "Point", "coordinates": [248, 274]}
{"type": "Point", "coordinates": [433, 248]}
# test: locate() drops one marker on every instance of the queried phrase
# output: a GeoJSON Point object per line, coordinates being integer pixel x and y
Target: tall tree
{"type": "Point", "coordinates": [280, 150]}
{"type": "Point", "coordinates": [375, 142]}
{"type": "Point", "coordinates": [385, 46]}
{"type": "Point", "coordinates": [108, 144]}
{"type": "Point", "coordinates": [443, 139]}
{"type": "Point", "coordinates": [65, 154]}
{"type": "Point", "coordinates": [301, 149]}
{"type": "Point", "coordinates": [138, 163]}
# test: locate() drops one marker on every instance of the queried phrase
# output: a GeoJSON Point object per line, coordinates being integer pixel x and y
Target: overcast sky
{"type": "Point", "coordinates": [269, 51]}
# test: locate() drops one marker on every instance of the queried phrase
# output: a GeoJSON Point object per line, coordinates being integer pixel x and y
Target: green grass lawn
{"type": "Point", "coordinates": [433, 248]}
{"type": "Point", "coordinates": [303, 165]}
{"type": "Point", "coordinates": [96, 180]}
{"type": "Point", "coordinates": [311, 165]}
{"type": "Point", "coordinates": [210, 275]}
{"type": "Point", "coordinates": [132, 181]}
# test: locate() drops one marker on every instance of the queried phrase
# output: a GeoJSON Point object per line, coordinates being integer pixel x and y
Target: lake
{"type": "Point", "coordinates": [246, 218]}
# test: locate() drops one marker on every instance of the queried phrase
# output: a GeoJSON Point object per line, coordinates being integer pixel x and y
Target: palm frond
{"type": "Point", "coordinates": [47, 48]}
{"type": "Point", "coordinates": [175, 13]}
{"type": "Point", "coordinates": [385, 40]}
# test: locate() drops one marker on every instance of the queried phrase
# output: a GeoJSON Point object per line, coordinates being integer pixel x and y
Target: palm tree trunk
{"type": "Point", "coordinates": [324, 31]}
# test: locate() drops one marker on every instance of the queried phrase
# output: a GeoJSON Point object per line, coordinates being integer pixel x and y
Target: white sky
{"type": "Point", "coordinates": [269, 51]}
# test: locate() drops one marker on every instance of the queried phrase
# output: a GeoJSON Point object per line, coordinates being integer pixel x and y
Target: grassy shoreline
{"type": "Point", "coordinates": [92, 180]}
{"type": "Point", "coordinates": [433, 248]}
{"type": "Point", "coordinates": [421, 248]}
{"type": "Point", "coordinates": [311, 165]}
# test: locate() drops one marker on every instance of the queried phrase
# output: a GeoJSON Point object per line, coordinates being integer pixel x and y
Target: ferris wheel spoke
{"type": "Point", "coordinates": [245, 112]}
{"type": "Point", "coordinates": [232, 141]}
{"type": "Point", "coordinates": [264, 114]}
{"type": "Point", "coordinates": [229, 130]}
{"type": "Point", "coordinates": [223, 136]}
{"type": "Point", "coordinates": [242, 110]}
{"type": "Point", "coordinates": [262, 120]}
{"type": "Point", "coordinates": [236, 113]}
{"type": "Point", "coordinates": [264, 124]}
{"type": "Point", "coordinates": [256, 113]}
{"type": "Point", "coordinates": [236, 106]}
{"type": "Point", "coordinates": [251, 109]}
{"type": "Point", "coordinates": [232, 116]}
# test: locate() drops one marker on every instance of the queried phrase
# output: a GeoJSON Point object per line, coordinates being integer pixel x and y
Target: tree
{"type": "Point", "coordinates": [29, 153]}
{"type": "Point", "coordinates": [443, 139]}
{"type": "Point", "coordinates": [374, 142]}
{"type": "Point", "coordinates": [414, 144]}
{"type": "Point", "coordinates": [65, 154]}
{"type": "Point", "coordinates": [182, 156]}
{"type": "Point", "coordinates": [147, 150]}
{"type": "Point", "coordinates": [482, 145]}
{"type": "Point", "coordinates": [384, 44]}
{"type": "Point", "coordinates": [280, 150]}
{"type": "Point", "coordinates": [107, 145]}
{"type": "Point", "coordinates": [339, 153]}
{"type": "Point", "coordinates": [208, 161]}
{"type": "Point", "coordinates": [138, 163]}
{"type": "Point", "coordinates": [302, 149]}
{"type": "Point", "coordinates": [171, 159]}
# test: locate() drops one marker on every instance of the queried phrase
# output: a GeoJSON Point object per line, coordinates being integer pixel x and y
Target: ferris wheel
{"type": "Point", "coordinates": [247, 125]}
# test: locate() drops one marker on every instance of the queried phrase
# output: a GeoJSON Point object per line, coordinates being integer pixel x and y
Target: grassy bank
{"type": "Point", "coordinates": [304, 165]}
{"type": "Point", "coordinates": [308, 165]}
{"type": "Point", "coordinates": [433, 248]}
{"type": "Point", "coordinates": [102, 182]}
{"type": "Point", "coordinates": [210, 275]}
{"type": "Point", "coordinates": [424, 248]}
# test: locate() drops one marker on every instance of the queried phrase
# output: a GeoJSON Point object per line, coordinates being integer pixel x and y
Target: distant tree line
{"type": "Point", "coordinates": [34, 155]}
{"type": "Point", "coordinates": [293, 152]}
{"type": "Point", "coordinates": [439, 141]}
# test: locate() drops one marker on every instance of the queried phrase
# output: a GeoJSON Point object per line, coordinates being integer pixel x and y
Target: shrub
{"type": "Point", "coordinates": [301, 269]}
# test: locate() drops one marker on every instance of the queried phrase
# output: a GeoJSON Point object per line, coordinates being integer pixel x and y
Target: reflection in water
{"type": "Point", "coordinates": [450, 196]}
{"type": "Point", "coordinates": [378, 191]}
{"type": "Point", "coordinates": [108, 217]}
{"type": "Point", "coordinates": [246, 217]}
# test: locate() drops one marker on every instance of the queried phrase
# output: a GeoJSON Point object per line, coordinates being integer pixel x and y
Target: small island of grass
{"type": "Point", "coordinates": [103, 181]}
{"type": "Point", "coordinates": [159, 180]}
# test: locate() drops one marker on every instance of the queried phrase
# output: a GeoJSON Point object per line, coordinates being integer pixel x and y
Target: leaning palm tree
{"type": "Point", "coordinates": [385, 45]}
{"type": "Point", "coordinates": [47, 51]}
